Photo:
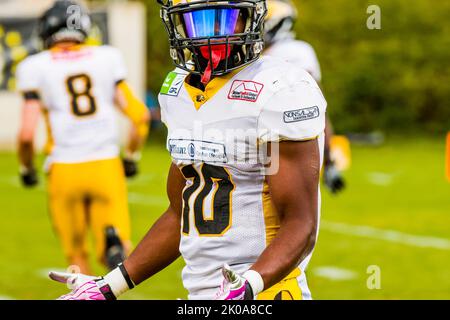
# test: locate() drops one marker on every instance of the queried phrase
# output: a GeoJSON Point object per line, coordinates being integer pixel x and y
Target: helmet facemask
{"type": "Point", "coordinates": [215, 37]}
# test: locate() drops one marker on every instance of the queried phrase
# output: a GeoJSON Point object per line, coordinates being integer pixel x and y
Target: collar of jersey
{"type": "Point", "coordinates": [211, 88]}
{"type": "Point", "coordinates": [76, 47]}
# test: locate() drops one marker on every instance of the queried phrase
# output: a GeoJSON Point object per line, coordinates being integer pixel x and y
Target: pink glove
{"type": "Point", "coordinates": [234, 286]}
{"type": "Point", "coordinates": [83, 287]}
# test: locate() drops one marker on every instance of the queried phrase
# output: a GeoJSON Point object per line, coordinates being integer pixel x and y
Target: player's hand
{"type": "Point", "coordinates": [234, 286]}
{"type": "Point", "coordinates": [83, 287]}
{"type": "Point", "coordinates": [333, 179]}
{"type": "Point", "coordinates": [131, 167]}
{"type": "Point", "coordinates": [29, 177]}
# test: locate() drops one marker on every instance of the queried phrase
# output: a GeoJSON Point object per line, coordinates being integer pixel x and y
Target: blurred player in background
{"type": "Point", "coordinates": [280, 42]}
{"type": "Point", "coordinates": [243, 232]}
{"type": "Point", "coordinates": [76, 87]}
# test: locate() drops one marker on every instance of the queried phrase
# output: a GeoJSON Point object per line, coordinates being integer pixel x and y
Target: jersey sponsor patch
{"type": "Point", "coordinates": [196, 150]}
{"type": "Point", "coordinates": [245, 90]}
{"type": "Point", "coordinates": [301, 114]}
{"type": "Point", "coordinates": [173, 83]}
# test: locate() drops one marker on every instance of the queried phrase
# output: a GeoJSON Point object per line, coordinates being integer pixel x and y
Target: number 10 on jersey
{"type": "Point", "coordinates": [218, 181]}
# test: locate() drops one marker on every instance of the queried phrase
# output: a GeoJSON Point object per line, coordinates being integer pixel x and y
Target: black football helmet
{"type": "Point", "coordinates": [214, 37]}
{"type": "Point", "coordinates": [66, 20]}
{"type": "Point", "coordinates": [280, 19]}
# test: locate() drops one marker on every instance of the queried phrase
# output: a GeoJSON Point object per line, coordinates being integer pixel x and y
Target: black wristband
{"type": "Point", "coordinates": [31, 95]}
{"type": "Point", "coordinates": [119, 81]}
{"type": "Point", "coordinates": [126, 275]}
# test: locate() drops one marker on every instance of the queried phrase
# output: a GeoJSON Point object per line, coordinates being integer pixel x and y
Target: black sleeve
{"type": "Point", "coordinates": [31, 95]}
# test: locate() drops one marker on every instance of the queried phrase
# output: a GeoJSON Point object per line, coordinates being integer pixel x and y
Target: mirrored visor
{"type": "Point", "coordinates": [211, 22]}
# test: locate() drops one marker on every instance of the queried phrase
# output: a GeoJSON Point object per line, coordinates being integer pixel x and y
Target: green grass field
{"type": "Point", "coordinates": [395, 214]}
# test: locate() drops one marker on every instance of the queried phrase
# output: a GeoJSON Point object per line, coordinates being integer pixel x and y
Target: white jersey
{"type": "Point", "coordinates": [297, 52]}
{"type": "Point", "coordinates": [213, 137]}
{"type": "Point", "coordinates": [77, 89]}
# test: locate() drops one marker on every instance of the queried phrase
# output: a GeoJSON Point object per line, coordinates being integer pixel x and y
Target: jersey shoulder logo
{"type": "Point", "coordinates": [301, 114]}
{"type": "Point", "coordinates": [245, 90]}
{"type": "Point", "coordinates": [173, 83]}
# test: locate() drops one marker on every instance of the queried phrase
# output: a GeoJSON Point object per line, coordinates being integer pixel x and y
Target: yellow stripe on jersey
{"type": "Point", "coordinates": [288, 288]}
{"type": "Point", "coordinates": [50, 143]}
{"type": "Point", "coordinates": [200, 97]}
{"type": "Point", "coordinates": [135, 110]}
{"type": "Point", "coordinates": [271, 220]}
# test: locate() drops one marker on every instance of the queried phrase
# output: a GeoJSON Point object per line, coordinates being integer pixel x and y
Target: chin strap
{"type": "Point", "coordinates": [218, 53]}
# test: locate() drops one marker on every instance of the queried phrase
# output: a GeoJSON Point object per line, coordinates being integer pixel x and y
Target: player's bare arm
{"type": "Point", "coordinates": [159, 247]}
{"type": "Point", "coordinates": [31, 110]}
{"type": "Point", "coordinates": [281, 41]}
{"type": "Point", "coordinates": [157, 250]}
{"type": "Point", "coordinates": [294, 194]}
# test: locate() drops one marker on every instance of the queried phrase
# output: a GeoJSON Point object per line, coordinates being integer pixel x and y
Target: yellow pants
{"type": "Point", "coordinates": [286, 289]}
{"type": "Point", "coordinates": [91, 194]}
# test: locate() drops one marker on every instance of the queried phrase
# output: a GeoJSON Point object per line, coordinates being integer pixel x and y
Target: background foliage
{"type": "Point", "coordinates": [395, 79]}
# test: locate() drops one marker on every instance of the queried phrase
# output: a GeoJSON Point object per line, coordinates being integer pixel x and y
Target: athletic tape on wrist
{"type": "Point", "coordinates": [255, 280]}
{"type": "Point", "coordinates": [134, 156]}
{"type": "Point", "coordinates": [25, 170]}
{"type": "Point", "coordinates": [118, 282]}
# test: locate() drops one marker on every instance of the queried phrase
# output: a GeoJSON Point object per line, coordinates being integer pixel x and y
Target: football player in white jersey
{"type": "Point", "coordinates": [76, 88]}
{"type": "Point", "coordinates": [281, 42]}
{"type": "Point", "coordinates": [244, 226]}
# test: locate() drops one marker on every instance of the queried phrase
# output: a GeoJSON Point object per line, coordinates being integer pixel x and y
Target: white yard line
{"type": "Point", "coordinates": [143, 180]}
{"type": "Point", "coordinates": [387, 235]}
{"type": "Point", "coordinates": [4, 297]}
{"type": "Point", "coordinates": [380, 178]}
{"type": "Point", "coordinates": [334, 273]}
{"type": "Point", "coordinates": [14, 181]}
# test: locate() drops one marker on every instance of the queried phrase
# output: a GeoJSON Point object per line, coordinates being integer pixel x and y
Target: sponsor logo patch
{"type": "Point", "coordinates": [173, 83]}
{"type": "Point", "coordinates": [197, 150]}
{"type": "Point", "coordinates": [245, 90]}
{"type": "Point", "coordinates": [301, 114]}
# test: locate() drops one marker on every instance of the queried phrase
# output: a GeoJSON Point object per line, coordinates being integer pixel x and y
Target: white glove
{"type": "Point", "coordinates": [237, 287]}
{"type": "Point", "coordinates": [86, 287]}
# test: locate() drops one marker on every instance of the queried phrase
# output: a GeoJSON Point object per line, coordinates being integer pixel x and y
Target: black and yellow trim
{"type": "Point", "coordinates": [200, 97]}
